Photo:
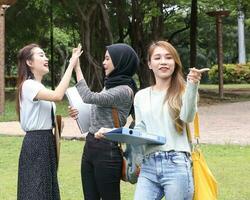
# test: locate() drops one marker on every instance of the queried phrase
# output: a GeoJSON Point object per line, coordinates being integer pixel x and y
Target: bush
{"type": "Point", "coordinates": [10, 81]}
{"type": "Point", "coordinates": [232, 73]}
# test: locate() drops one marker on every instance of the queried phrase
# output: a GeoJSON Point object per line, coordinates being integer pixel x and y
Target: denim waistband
{"type": "Point", "coordinates": [166, 154]}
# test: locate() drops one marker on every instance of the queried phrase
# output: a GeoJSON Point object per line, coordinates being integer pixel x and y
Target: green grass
{"type": "Point", "coordinates": [209, 94]}
{"type": "Point", "coordinates": [226, 86]}
{"type": "Point", "coordinates": [69, 170]}
{"type": "Point", "coordinates": [229, 163]}
{"type": "Point", "coordinates": [10, 112]}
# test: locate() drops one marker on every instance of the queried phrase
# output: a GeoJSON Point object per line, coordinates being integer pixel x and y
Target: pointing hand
{"type": "Point", "coordinates": [194, 75]}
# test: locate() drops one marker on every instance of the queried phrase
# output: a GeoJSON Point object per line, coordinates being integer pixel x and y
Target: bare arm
{"type": "Point", "coordinates": [78, 71]}
{"type": "Point", "coordinates": [79, 75]}
{"type": "Point", "coordinates": [58, 93]}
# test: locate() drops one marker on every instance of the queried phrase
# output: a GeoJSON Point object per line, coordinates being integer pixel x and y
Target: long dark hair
{"type": "Point", "coordinates": [24, 71]}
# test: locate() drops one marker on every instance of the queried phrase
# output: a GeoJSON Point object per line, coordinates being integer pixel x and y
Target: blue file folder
{"type": "Point", "coordinates": [132, 136]}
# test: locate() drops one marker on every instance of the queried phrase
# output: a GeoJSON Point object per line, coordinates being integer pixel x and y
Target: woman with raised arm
{"type": "Point", "coordinates": [37, 175]}
{"type": "Point", "coordinates": [102, 159]}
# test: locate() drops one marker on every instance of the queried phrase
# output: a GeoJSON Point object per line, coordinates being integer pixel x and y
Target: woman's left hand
{"type": "Point", "coordinates": [76, 53]}
{"type": "Point", "coordinates": [194, 75]}
{"type": "Point", "coordinates": [101, 132]}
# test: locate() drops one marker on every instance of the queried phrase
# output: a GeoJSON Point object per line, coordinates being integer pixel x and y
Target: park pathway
{"type": "Point", "coordinates": [219, 124]}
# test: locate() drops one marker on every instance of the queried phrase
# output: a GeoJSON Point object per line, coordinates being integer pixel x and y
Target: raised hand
{"type": "Point", "coordinates": [194, 75]}
{"type": "Point", "coordinates": [76, 53]}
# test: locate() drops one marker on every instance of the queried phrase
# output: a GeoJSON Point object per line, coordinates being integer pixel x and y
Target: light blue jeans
{"type": "Point", "coordinates": [165, 173]}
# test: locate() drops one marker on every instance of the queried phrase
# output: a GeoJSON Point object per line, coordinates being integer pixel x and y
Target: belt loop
{"type": "Point", "coordinates": [166, 154]}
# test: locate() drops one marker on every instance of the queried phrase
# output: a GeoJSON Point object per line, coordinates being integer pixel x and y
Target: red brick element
{"type": "Point", "coordinates": [218, 15]}
{"type": "Point", "coordinates": [2, 58]}
{"type": "Point", "coordinates": [7, 2]}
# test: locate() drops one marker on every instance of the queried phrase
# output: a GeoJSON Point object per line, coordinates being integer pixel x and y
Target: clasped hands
{"type": "Point", "coordinates": [76, 53]}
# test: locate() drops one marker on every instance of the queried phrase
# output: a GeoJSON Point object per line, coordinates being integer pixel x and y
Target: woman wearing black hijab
{"type": "Point", "coordinates": [102, 160]}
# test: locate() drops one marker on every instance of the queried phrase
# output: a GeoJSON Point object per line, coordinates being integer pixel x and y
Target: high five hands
{"type": "Point", "coordinates": [76, 53]}
{"type": "Point", "coordinates": [194, 74]}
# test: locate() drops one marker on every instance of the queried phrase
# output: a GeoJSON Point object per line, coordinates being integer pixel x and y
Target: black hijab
{"type": "Point", "coordinates": [125, 61]}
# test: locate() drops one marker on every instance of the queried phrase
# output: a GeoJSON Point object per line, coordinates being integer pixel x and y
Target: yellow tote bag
{"type": "Point", "coordinates": [205, 185]}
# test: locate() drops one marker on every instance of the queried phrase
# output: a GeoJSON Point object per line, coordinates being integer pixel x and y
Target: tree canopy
{"type": "Point", "coordinates": [97, 23]}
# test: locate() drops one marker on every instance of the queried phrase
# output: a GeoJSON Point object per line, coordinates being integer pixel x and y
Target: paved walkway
{"type": "Point", "coordinates": [219, 124]}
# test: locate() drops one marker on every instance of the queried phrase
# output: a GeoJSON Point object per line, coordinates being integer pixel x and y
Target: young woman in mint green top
{"type": "Point", "coordinates": [163, 109]}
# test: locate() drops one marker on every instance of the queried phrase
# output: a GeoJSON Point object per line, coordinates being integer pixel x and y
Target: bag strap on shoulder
{"type": "Point", "coordinates": [115, 117]}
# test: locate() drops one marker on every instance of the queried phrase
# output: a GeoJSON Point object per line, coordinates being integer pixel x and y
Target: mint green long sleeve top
{"type": "Point", "coordinates": [152, 117]}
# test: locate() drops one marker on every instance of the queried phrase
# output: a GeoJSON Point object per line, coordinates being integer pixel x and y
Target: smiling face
{"type": "Point", "coordinates": [162, 63]}
{"type": "Point", "coordinates": [39, 63]}
{"type": "Point", "coordinates": [108, 64]}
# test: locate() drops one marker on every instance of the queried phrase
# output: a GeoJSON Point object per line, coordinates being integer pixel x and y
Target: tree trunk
{"type": "Point", "coordinates": [139, 43]}
{"type": "Point", "coordinates": [2, 59]}
{"type": "Point", "coordinates": [158, 23]}
{"type": "Point", "coordinates": [92, 19]}
{"type": "Point", "coordinates": [193, 34]}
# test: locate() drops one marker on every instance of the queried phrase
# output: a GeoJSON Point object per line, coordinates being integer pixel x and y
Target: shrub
{"type": "Point", "coordinates": [10, 81]}
{"type": "Point", "coordinates": [232, 73]}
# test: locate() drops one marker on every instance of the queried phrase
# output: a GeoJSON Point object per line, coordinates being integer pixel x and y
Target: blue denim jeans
{"type": "Point", "coordinates": [165, 173]}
